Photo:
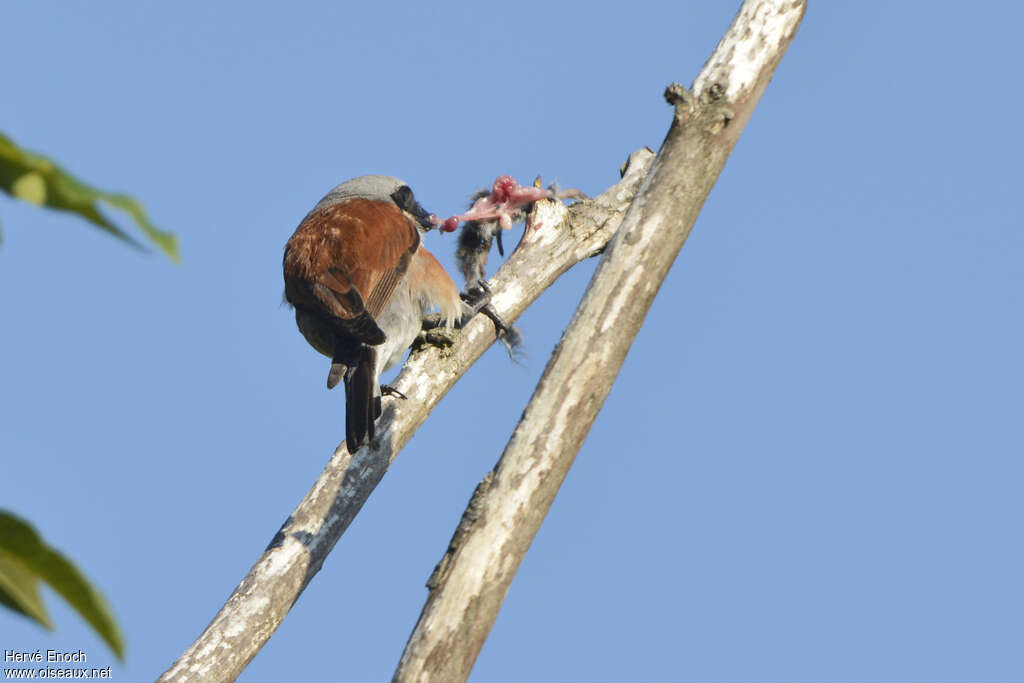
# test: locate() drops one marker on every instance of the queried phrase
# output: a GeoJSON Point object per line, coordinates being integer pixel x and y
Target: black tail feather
{"type": "Point", "coordinates": [346, 356]}
{"type": "Point", "coordinates": [360, 408]}
{"type": "Point", "coordinates": [336, 374]}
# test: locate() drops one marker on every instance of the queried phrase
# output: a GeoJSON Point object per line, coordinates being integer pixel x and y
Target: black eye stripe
{"type": "Point", "coordinates": [405, 200]}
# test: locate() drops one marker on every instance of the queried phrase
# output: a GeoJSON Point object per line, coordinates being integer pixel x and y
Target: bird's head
{"type": "Point", "coordinates": [384, 188]}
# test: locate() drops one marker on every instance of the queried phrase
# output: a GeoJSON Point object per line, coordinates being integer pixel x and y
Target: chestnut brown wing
{"type": "Point", "coordinates": [345, 261]}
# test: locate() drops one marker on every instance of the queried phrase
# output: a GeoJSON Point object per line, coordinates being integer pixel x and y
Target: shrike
{"type": "Point", "coordinates": [360, 282]}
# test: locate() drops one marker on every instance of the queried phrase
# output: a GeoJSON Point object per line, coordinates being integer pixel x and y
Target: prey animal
{"type": "Point", "coordinates": [490, 213]}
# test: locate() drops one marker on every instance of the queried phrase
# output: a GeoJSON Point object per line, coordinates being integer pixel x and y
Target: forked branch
{"type": "Point", "coordinates": [444, 645]}
{"type": "Point", "coordinates": [263, 598]}
{"type": "Point", "coordinates": [508, 506]}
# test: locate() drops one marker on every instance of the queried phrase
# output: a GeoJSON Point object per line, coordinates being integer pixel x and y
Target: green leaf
{"type": "Point", "coordinates": [19, 589]}
{"type": "Point", "coordinates": [25, 561]}
{"type": "Point", "coordinates": [34, 178]}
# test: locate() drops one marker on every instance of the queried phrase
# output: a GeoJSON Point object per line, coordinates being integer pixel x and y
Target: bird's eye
{"type": "Point", "coordinates": [405, 200]}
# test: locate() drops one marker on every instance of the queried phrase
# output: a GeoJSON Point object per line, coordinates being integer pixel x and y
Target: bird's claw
{"type": "Point", "coordinates": [478, 300]}
{"type": "Point", "coordinates": [433, 337]}
{"type": "Point", "coordinates": [388, 390]}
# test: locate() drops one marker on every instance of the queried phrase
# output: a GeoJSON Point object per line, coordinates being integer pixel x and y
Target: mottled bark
{"type": "Point", "coordinates": [507, 508]}
{"type": "Point", "coordinates": [512, 501]}
{"type": "Point", "coordinates": [263, 598]}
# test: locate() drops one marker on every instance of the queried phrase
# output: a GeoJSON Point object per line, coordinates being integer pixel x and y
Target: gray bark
{"type": "Point", "coordinates": [507, 508]}
{"type": "Point", "coordinates": [260, 602]}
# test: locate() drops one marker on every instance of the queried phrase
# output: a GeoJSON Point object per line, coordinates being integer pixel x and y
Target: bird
{"type": "Point", "coordinates": [360, 282]}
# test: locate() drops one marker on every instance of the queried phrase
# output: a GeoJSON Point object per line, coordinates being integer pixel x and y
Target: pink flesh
{"type": "Point", "coordinates": [507, 197]}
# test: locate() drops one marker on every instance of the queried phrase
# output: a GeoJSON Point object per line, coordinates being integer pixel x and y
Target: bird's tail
{"type": "Point", "coordinates": [360, 407]}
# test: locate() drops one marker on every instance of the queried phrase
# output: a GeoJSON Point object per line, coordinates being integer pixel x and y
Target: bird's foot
{"type": "Point", "coordinates": [477, 298]}
{"type": "Point", "coordinates": [388, 390]}
{"type": "Point", "coordinates": [431, 321]}
{"type": "Point", "coordinates": [433, 336]}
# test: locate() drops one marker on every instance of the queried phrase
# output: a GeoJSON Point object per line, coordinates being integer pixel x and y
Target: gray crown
{"type": "Point", "coordinates": [379, 187]}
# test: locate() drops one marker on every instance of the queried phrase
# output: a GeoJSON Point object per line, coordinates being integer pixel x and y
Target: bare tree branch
{"type": "Point", "coordinates": [508, 506]}
{"type": "Point", "coordinates": [263, 598]}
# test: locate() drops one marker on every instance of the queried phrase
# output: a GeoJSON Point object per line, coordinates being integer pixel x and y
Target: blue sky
{"type": "Point", "coordinates": [808, 470]}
